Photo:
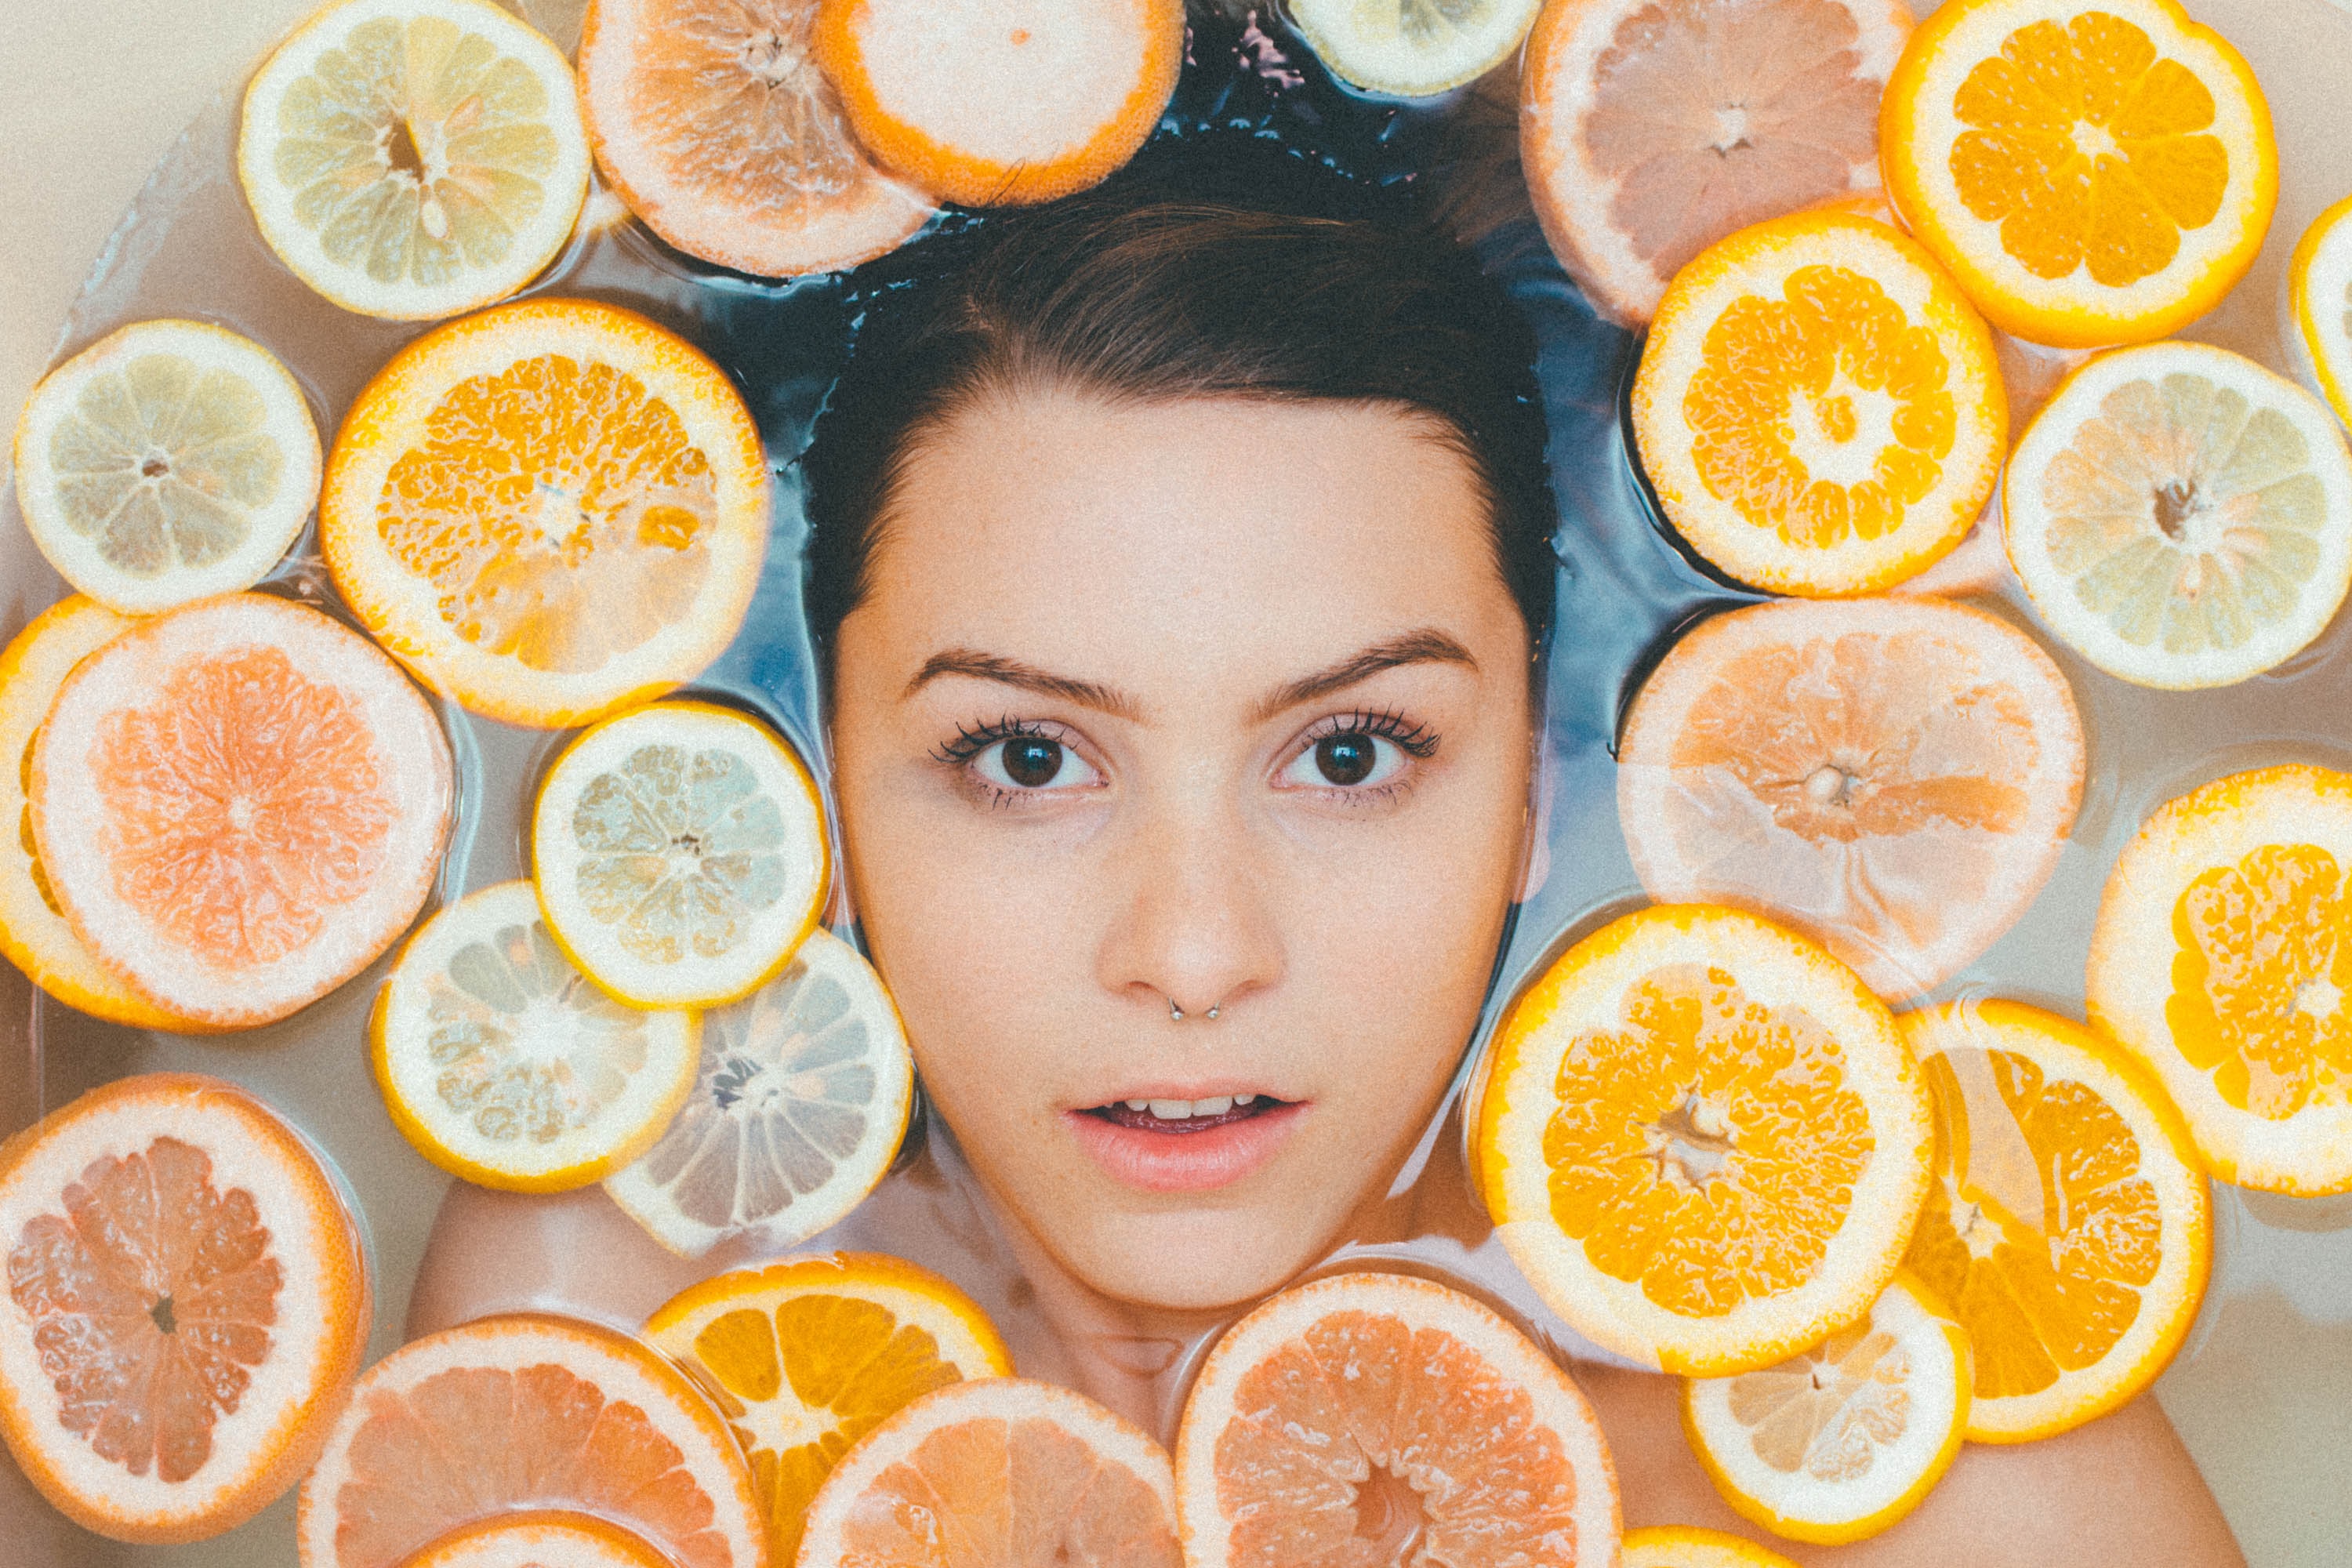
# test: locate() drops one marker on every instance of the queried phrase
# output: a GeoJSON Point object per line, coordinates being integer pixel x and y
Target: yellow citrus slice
{"type": "Point", "coordinates": [2223, 959]}
{"type": "Point", "coordinates": [504, 1065]}
{"type": "Point", "coordinates": [1819, 409]}
{"type": "Point", "coordinates": [551, 510]}
{"type": "Point", "coordinates": [799, 1105]}
{"type": "Point", "coordinates": [1375, 1419]}
{"type": "Point", "coordinates": [187, 1304]}
{"type": "Point", "coordinates": [414, 158]}
{"type": "Point", "coordinates": [2180, 516]}
{"type": "Point", "coordinates": [2068, 1226]}
{"type": "Point", "coordinates": [2318, 329]}
{"type": "Point", "coordinates": [806, 1357]}
{"type": "Point", "coordinates": [1702, 1140]}
{"type": "Point", "coordinates": [168, 461]}
{"type": "Point", "coordinates": [540, 1538]}
{"type": "Point", "coordinates": [1410, 48]}
{"type": "Point", "coordinates": [1689, 1546]}
{"type": "Point", "coordinates": [2090, 174]}
{"type": "Point", "coordinates": [1839, 1442]}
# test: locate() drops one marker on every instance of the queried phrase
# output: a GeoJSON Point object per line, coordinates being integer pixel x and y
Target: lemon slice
{"type": "Point", "coordinates": [1689, 1546]}
{"type": "Point", "coordinates": [166, 462]}
{"type": "Point", "coordinates": [2318, 333]}
{"type": "Point", "coordinates": [503, 1065]}
{"type": "Point", "coordinates": [413, 158]}
{"type": "Point", "coordinates": [797, 1110]}
{"type": "Point", "coordinates": [1413, 47]}
{"type": "Point", "coordinates": [2180, 516]}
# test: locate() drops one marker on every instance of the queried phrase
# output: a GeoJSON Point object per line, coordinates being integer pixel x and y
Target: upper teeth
{"type": "Point", "coordinates": [1179, 1109]}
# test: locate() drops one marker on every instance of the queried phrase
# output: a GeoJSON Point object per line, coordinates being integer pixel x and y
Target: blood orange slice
{"type": "Point", "coordinates": [540, 1538]}
{"type": "Point", "coordinates": [187, 1303]}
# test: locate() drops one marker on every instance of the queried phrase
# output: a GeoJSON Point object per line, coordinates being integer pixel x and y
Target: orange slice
{"type": "Point", "coordinates": [1374, 1418]}
{"type": "Point", "coordinates": [550, 511]}
{"type": "Point", "coordinates": [1819, 409]}
{"type": "Point", "coordinates": [998, 1470]}
{"type": "Point", "coordinates": [987, 104]}
{"type": "Point", "coordinates": [2223, 959]}
{"type": "Point", "coordinates": [540, 1538]}
{"type": "Point", "coordinates": [2090, 174]}
{"type": "Point", "coordinates": [2318, 331]}
{"type": "Point", "coordinates": [2068, 1225]}
{"type": "Point", "coordinates": [713, 121]}
{"type": "Point", "coordinates": [187, 1303]}
{"type": "Point", "coordinates": [1702, 1140]}
{"type": "Point", "coordinates": [1895, 777]}
{"type": "Point", "coordinates": [806, 1357]}
{"type": "Point", "coordinates": [528, 1412]}
{"type": "Point", "coordinates": [1650, 131]}
{"type": "Point", "coordinates": [1688, 1546]}
{"type": "Point", "coordinates": [239, 806]}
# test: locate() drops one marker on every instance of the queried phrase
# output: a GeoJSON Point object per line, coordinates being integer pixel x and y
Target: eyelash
{"type": "Point", "coordinates": [973, 740]}
{"type": "Point", "coordinates": [1413, 738]}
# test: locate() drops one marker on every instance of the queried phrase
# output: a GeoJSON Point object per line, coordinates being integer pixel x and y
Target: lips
{"type": "Point", "coordinates": [1180, 1116]}
{"type": "Point", "coordinates": [1185, 1143]}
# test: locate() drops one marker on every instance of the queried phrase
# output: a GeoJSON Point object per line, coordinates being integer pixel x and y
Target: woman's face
{"type": "Point", "coordinates": [1216, 703]}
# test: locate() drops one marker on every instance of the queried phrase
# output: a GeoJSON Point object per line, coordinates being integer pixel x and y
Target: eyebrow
{"type": "Point", "coordinates": [1028, 677]}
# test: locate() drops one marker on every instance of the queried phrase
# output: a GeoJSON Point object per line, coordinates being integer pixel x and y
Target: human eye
{"type": "Point", "coordinates": [1359, 754]}
{"type": "Point", "coordinates": [1014, 760]}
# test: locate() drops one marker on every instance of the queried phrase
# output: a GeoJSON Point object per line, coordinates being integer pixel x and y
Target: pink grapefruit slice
{"type": "Point", "coordinates": [540, 1538]}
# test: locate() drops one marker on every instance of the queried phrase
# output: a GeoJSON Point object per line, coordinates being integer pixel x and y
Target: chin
{"type": "Point", "coordinates": [1205, 1259]}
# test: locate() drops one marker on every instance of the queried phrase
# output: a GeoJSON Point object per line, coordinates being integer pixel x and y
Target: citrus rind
{"type": "Point", "coordinates": [1690, 1546]}
{"type": "Point", "coordinates": [1374, 47]}
{"type": "Point", "coordinates": [536, 1538]}
{"type": "Point", "coordinates": [2318, 327]}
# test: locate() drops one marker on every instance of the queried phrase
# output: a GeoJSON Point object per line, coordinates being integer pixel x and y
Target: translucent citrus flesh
{"type": "Point", "coordinates": [1411, 47]}
{"type": "Point", "coordinates": [1825, 1414]}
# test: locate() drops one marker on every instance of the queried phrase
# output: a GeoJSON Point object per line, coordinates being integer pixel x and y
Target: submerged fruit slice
{"type": "Point", "coordinates": [798, 1108]}
{"type": "Point", "coordinates": [187, 1303]}
{"type": "Point", "coordinates": [550, 511]}
{"type": "Point", "coordinates": [540, 1538]}
{"type": "Point", "coordinates": [239, 804]}
{"type": "Point", "coordinates": [806, 1357]}
{"type": "Point", "coordinates": [169, 461]}
{"type": "Point", "coordinates": [1409, 47]}
{"type": "Point", "coordinates": [2090, 174]}
{"type": "Point", "coordinates": [1818, 408]}
{"type": "Point", "coordinates": [2068, 1225]}
{"type": "Point", "coordinates": [1895, 777]}
{"type": "Point", "coordinates": [2180, 516]}
{"type": "Point", "coordinates": [1652, 129]}
{"type": "Point", "coordinates": [1688, 1546]}
{"type": "Point", "coordinates": [2223, 959]}
{"type": "Point", "coordinates": [998, 1470]}
{"type": "Point", "coordinates": [1702, 1140]}
{"type": "Point", "coordinates": [1375, 1419]}
{"type": "Point", "coordinates": [2318, 329]}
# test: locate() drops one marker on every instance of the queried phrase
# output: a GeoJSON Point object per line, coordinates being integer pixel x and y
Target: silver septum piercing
{"type": "Point", "coordinates": [1176, 1014]}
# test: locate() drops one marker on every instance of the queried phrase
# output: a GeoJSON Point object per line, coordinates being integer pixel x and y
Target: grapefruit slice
{"type": "Point", "coordinates": [1689, 1546]}
{"type": "Point", "coordinates": [187, 1304]}
{"type": "Point", "coordinates": [239, 806]}
{"type": "Point", "coordinates": [540, 1538]}
{"type": "Point", "coordinates": [1374, 1418]}
{"type": "Point", "coordinates": [2318, 327]}
{"type": "Point", "coordinates": [1895, 777]}
{"type": "Point", "coordinates": [1411, 50]}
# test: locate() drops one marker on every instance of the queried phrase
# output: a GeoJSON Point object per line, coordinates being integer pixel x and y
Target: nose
{"type": "Point", "coordinates": [1194, 926]}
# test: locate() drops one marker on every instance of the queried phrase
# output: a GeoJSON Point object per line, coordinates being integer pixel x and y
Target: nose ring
{"type": "Point", "coordinates": [1176, 1014]}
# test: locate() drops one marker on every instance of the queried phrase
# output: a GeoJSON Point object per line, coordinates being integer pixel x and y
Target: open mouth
{"type": "Point", "coordinates": [1186, 1115]}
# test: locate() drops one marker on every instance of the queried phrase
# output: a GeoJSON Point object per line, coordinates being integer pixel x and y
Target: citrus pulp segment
{"type": "Point", "coordinates": [528, 1412]}
{"type": "Point", "coordinates": [2180, 516]}
{"type": "Point", "coordinates": [806, 1357]}
{"type": "Point", "coordinates": [1895, 777]}
{"type": "Point", "coordinates": [713, 120]}
{"type": "Point", "coordinates": [799, 1104]}
{"type": "Point", "coordinates": [168, 461]}
{"type": "Point", "coordinates": [2222, 960]}
{"type": "Point", "coordinates": [1689, 1546]}
{"type": "Point", "coordinates": [2091, 174]}
{"type": "Point", "coordinates": [239, 804]}
{"type": "Point", "coordinates": [187, 1304]}
{"type": "Point", "coordinates": [550, 511]}
{"type": "Point", "coordinates": [1376, 1418]}
{"type": "Point", "coordinates": [988, 104]}
{"type": "Point", "coordinates": [1652, 129]}
{"type": "Point", "coordinates": [1409, 48]}
{"type": "Point", "coordinates": [2068, 1228]}
{"type": "Point", "coordinates": [2318, 329]}
{"type": "Point", "coordinates": [540, 1538]}
{"type": "Point", "coordinates": [997, 1470]}
{"type": "Point", "coordinates": [504, 1065]}
{"type": "Point", "coordinates": [1702, 1140]}
{"type": "Point", "coordinates": [1818, 408]}
{"type": "Point", "coordinates": [413, 159]}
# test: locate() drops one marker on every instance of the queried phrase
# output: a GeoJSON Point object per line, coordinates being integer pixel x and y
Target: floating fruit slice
{"type": "Point", "coordinates": [1688, 1546]}
{"type": "Point", "coordinates": [166, 462]}
{"type": "Point", "coordinates": [2318, 329]}
{"type": "Point", "coordinates": [806, 1357]}
{"type": "Point", "coordinates": [2090, 174]}
{"type": "Point", "coordinates": [2180, 516]}
{"type": "Point", "coordinates": [1702, 1140]}
{"type": "Point", "coordinates": [187, 1304]}
{"type": "Point", "coordinates": [987, 105]}
{"type": "Point", "coordinates": [1818, 408]}
{"type": "Point", "coordinates": [551, 510]}
{"type": "Point", "coordinates": [537, 1539]}
{"type": "Point", "coordinates": [1895, 777]}
{"type": "Point", "coordinates": [414, 158]}
{"type": "Point", "coordinates": [2223, 959]}
{"type": "Point", "coordinates": [1411, 50]}
{"type": "Point", "coordinates": [797, 1110]}
{"type": "Point", "coordinates": [2068, 1225]}
{"type": "Point", "coordinates": [1839, 1442]}
{"type": "Point", "coordinates": [239, 804]}
{"type": "Point", "coordinates": [998, 1470]}
{"type": "Point", "coordinates": [1371, 1418]}
{"type": "Point", "coordinates": [528, 1412]}
{"type": "Point", "coordinates": [1649, 131]}
{"type": "Point", "coordinates": [504, 1065]}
